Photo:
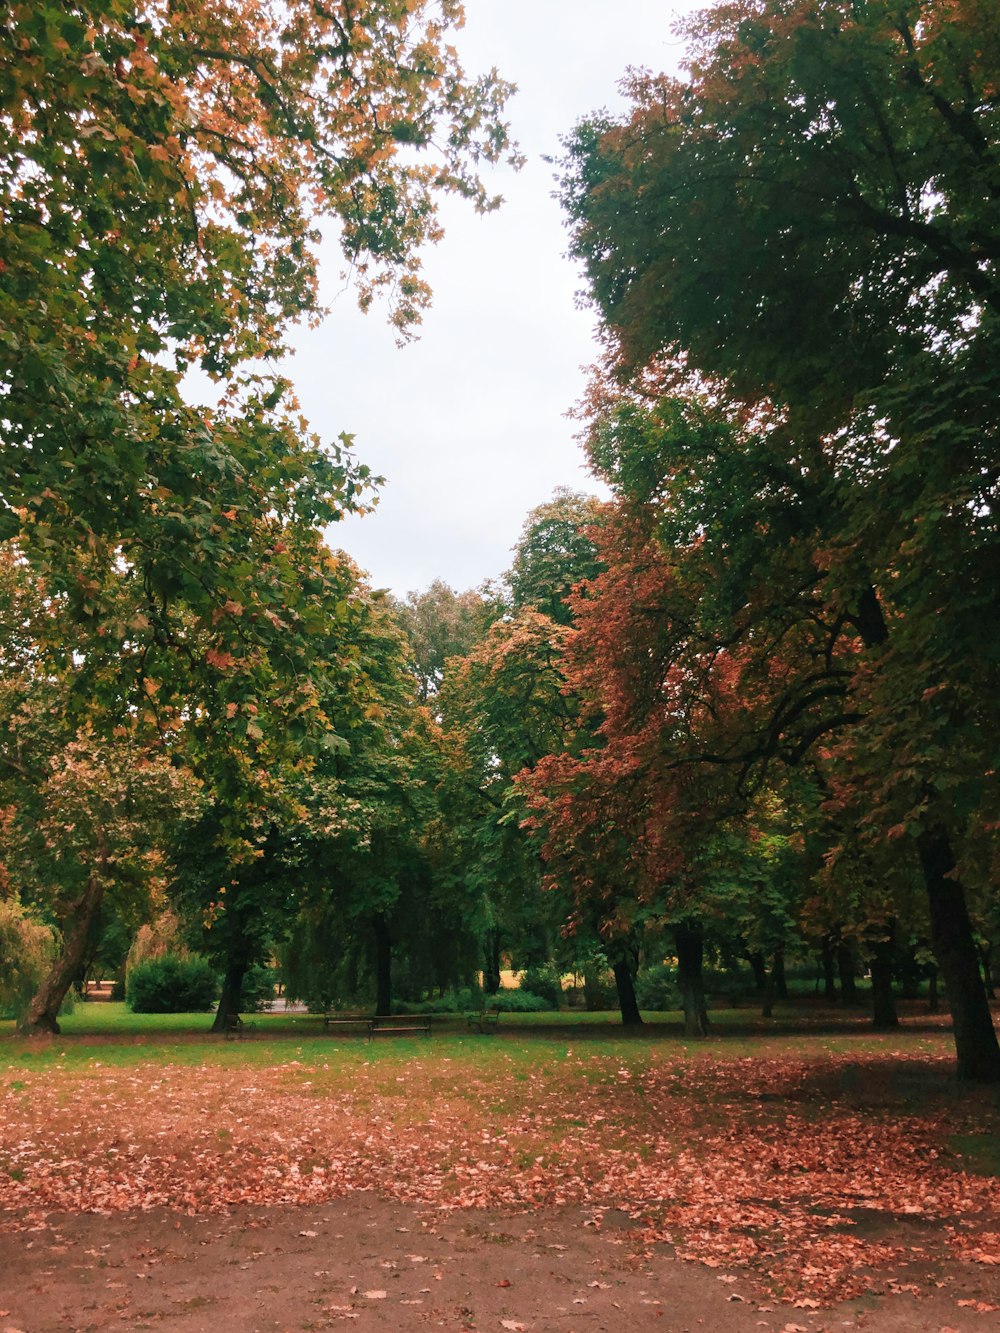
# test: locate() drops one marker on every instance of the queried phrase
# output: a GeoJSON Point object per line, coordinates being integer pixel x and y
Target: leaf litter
{"type": "Point", "coordinates": [732, 1163]}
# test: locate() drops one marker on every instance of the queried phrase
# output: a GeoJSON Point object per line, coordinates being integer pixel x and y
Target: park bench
{"type": "Point", "coordinates": [483, 1020]}
{"type": "Point", "coordinates": [398, 1025]}
{"type": "Point", "coordinates": [346, 1022]}
{"type": "Point", "coordinates": [235, 1028]}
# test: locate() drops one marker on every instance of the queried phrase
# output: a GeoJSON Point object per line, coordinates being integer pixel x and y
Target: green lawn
{"type": "Point", "coordinates": [108, 1033]}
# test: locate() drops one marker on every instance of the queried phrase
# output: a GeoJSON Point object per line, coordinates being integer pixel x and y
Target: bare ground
{"type": "Point", "coordinates": [374, 1263]}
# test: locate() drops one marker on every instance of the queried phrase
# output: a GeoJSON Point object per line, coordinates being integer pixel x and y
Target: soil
{"type": "Point", "coordinates": [371, 1263]}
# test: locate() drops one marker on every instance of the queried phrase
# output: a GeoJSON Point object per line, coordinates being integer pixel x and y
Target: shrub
{"type": "Point", "coordinates": [517, 1002]}
{"type": "Point", "coordinates": [451, 1002]}
{"type": "Point", "coordinates": [171, 985]}
{"type": "Point", "coordinates": [543, 982]}
{"type": "Point", "coordinates": [258, 987]}
{"type": "Point", "coordinates": [656, 987]}
{"type": "Point", "coordinates": [27, 951]}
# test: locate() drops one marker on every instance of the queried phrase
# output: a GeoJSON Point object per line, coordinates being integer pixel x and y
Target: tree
{"type": "Point", "coordinates": [165, 169]}
{"type": "Point", "coordinates": [439, 623]}
{"type": "Point", "coordinates": [808, 224]}
{"type": "Point", "coordinates": [554, 554]}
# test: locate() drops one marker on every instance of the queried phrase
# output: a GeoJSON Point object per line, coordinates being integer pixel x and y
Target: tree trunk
{"type": "Point", "coordinates": [767, 1003]}
{"type": "Point", "coordinates": [491, 968]}
{"type": "Point", "coordinates": [42, 1012]}
{"type": "Point", "coordinates": [778, 972]}
{"type": "Point", "coordinates": [933, 999]}
{"type": "Point", "coordinates": [383, 966]}
{"type": "Point", "coordinates": [231, 999]}
{"type": "Point", "coordinates": [829, 972]}
{"type": "Point", "coordinates": [593, 989]}
{"type": "Point", "coordinates": [884, 1016]}
{"type": "Point", "coordinates": [845, 967]}
{"type": "Point", "coordinates": [986, 958]}
{"type": "Point", "coordinates": [627, 1002]}
{"type": "Point", "coordinates": [758, 966]}
{"type": "Point", "coordinates": [955, 950]}
{"type": "Point", "coordinates": [689, 944]}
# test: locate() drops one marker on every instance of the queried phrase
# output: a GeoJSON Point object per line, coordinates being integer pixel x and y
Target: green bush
{"type": "Point", "coordinates": [517, 1002]}
{"type": "Point", "coordinates": [656, 987]}
{"type": "Point", "coordinates": [543, 982]}
{"type": "Point", "coordinates": [451, 1002]}
{"type": "Point", "coordinates": [171, 985]}
{"type": "Point", "coordinates": [258, 988]}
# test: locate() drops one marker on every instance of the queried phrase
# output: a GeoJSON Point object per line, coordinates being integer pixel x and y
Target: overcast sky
{"type": "Point", "coordinates": [468, 424]}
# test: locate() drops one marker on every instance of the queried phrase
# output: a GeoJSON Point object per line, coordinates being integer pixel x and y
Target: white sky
{"type": "Point", "coordinates": [468, 424]}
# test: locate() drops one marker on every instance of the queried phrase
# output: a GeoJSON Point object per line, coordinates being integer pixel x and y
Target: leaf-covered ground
{"type": "Point", "coordinates": [824, 1174]}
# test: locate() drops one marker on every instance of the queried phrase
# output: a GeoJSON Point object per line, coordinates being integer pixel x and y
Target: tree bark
{"type": "Point", "coordinates": [627, 1002]}
{"type": "Point", "coordinates": [778, 972]}
{"type": "Point", "coordinates": [383, 966]}
{"type": "Point", "coordinates": [829, 972]}
{"type": "Point", "coordinates": [491, 967]}
{"type": "Point", "coordinates": [758, 966]}
{"type": "Point", "coordinates": [955, 950]}
{"type": "Point", "coordinates": [767, 1003]}
{"type": "Point", "coordinates": [933, 999]}
{"type": "Point", "coordinates": [986, 958]}
{"type": "Point", "coordinates": [884, 1016]}
{"type": "Point", "coordinates": [690, 948]}
{"type": "Point", "coordinates": [231, 999]}
{"type": "Point", "coordinates": [42, 1013]}
{"type": "Point", "coordinates": [845, 967]}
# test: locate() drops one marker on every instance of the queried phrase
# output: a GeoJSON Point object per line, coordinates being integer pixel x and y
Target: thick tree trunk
{"type": "Point", "coordinates": [383, 966]}
{"type": "Point", "coordinates": [884, 1016]}
{"type": "Point", "coordinates": [42, 1012]}
{"type": "Point", "coordinates": [491, 966]}
{"type": "Point", "coordinates": [955, 950]}
{"type": "Point", "coordinates": [231, 999]}
{"type": "Point", "coordinates": [829, 972]}
{"type": "Point", "coordinates": [952, 940]}
{"type": "Point", "coordinates": [933, 999]}
{"type": "Point", "coordinates": [845, 967]}
{"type": "Point", "coordinates": [689, 944]}
{"type": "Point", "coordinates": [627, 1002]}
{"type": "Point", "coordinates": [758, 966]}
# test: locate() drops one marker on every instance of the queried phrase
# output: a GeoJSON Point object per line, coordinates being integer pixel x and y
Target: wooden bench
{"type": "Point", "coordinates": [398, 1025]}
{"type": "Point", "coordinates": [484, 1020]}
{"type": "Point", "coordinates": [235, 1028]}
{"type": "Point", "coordinates": [346, 1022]}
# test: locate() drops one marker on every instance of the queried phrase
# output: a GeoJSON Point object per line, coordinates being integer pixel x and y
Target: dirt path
{"type": "Point", "coordinates": [371, 1263]}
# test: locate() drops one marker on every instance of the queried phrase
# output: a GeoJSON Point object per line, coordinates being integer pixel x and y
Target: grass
{"type": "Point", "coordinates": [97, 1034]}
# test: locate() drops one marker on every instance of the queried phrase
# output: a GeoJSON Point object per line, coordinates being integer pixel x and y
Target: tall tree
{"type": "Point", "coordinates": [809, 220]}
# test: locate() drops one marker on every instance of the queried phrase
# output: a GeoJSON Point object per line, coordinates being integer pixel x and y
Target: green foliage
{"type": "Point", "coordinates": [656, 987]}
{"type": "Point", "coordinates": [555, 553]}
{"type": "Point", "coordinates": [544, 983]}
{"type": "Point", "coordinates": [519, 1002]}
{"type": "Point", "coordinates": [463, 1001]}
{"type": "Point", "coordinates": [172, 985]}
{"type": "Point", "coordinates": [27, 948]}
{"type": "Point", "coordinates": [258, 988]}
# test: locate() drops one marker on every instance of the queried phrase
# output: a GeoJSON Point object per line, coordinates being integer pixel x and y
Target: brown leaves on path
{"type": "Point", "coordinates": [731, 1162]}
